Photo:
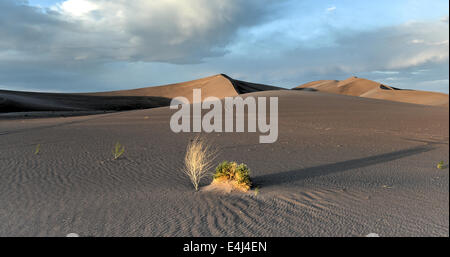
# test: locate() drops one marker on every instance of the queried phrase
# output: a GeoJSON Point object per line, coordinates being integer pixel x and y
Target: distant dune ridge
{"type": "Point", "coordinates": [355, 86]}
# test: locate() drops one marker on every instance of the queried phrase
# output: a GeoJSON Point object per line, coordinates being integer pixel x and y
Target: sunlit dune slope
{"type": "Point", "coordinates": [355, 86]}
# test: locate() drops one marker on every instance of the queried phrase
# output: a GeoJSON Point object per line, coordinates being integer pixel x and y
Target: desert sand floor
{"type": "Point", "coordinates": [342, 166]}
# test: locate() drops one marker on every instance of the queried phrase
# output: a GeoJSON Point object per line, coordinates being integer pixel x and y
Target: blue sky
{"type": "Point", "coordinates": [43, 3]}
{"type": "Point", "coordinates": [96, 45]}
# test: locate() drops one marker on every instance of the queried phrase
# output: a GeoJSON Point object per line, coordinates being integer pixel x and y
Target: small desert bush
{"type": "Point", "coordinates": [198, 160]}
{"type": "Point", "coordinates": [441, 165]}
{"type": "Point", "coordinates": [118, 150]}
{"type": "Point", "coordinates": [38, 149]}
{"type": "Point", "coordinates": [232, 172]}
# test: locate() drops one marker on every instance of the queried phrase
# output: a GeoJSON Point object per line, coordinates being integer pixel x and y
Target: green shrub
{"type": "Point", "coordinates": [441, 165]}
{"type": "Point", "coordinates": [38, 149]}
{"type": "Point", "coordinates": [231, 171]}
{"type": "Point", "coordinates": [118, 150]}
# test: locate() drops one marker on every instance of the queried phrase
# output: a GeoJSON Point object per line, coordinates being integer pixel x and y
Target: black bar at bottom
{"type": "Point", "coordinates": [223, 246]}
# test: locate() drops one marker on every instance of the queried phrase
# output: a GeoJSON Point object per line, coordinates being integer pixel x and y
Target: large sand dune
{"type": "Point", "coordinates": [354, 86]}
{"type": "Point", "coordinates": [218, 85]}
{"type": "Point", "coordinates": [342, 166]}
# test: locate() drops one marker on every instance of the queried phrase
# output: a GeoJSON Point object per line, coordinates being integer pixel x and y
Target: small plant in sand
{"type": "Point", "coordinates": [38, 149]}
{"type": "Point", "coordinates": [231, 172]}
{"type": "Point", "coordinates": [441, 165]}
{"type": "Point", "coordinates": [198, 160]}
{"type": "Point", "coordinates": [118, 150]}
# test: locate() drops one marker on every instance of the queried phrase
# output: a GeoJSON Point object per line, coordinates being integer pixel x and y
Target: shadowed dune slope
{"type": "Point", "coordinates": [243, 87]}
{"type": "Point", "coordinates": [142, 98]}
{"type": "Point", "coordinates": [354, 86]}
{"type": "Point", "coordinates": [17, 101]}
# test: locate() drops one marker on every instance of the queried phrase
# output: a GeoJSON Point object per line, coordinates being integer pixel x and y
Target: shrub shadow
{"type": "Point", "coordinates": [323, 170]}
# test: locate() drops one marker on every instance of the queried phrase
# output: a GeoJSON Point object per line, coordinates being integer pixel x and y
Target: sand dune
{"type": "Point", "coordinates": [342, 166]}
{"type": "Point", "coordinates": [367, 88]}
{"type": "Point", "coordinates": [219, 86]}
{"type": "Point", "coordinates": [17, 101]}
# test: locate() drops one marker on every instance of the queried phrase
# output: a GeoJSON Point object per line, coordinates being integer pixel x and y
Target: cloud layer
{"type": "Point", "coordinates": [158, 30]}
{"type": "Point", "coordinates": [80, 45]}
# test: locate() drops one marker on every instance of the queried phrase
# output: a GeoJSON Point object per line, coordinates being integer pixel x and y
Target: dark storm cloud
{"type": "Point", "coordinates": [54, 48]}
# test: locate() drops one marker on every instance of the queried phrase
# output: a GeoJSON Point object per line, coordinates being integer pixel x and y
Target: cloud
{"type": "Point", "coordinates": [386, 72]}
{"type": "Point", "coordinates": [76, 44]}
{"type": "Point", "coordinates": [421, 41]}
{"type": "Point", "coordinates": [331, 9]}
{"type": "Point", "coordinates": [387, 48]}
{"type": "Point", "coordinates": [76, 8]}
{"type": "Point", "coordinates": [102, 30]}
{"type": "Point", "coordinates": [417, 41]}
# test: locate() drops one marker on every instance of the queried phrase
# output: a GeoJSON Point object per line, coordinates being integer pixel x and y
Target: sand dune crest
{"type": "Point", "coordinates": [355, 86]}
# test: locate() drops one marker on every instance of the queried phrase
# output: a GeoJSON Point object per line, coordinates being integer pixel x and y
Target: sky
{"type": "Point", "coordinates": [100, 45]}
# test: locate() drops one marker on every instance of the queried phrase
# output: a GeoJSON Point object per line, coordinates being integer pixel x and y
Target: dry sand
{"type": "Point", "coordinates": [342, 166]}
{"type": "Point", "coordinates": [367, 88]}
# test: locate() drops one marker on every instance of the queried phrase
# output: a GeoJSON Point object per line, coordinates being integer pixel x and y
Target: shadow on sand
{"type": "Point", "coordinates": [323, 170]}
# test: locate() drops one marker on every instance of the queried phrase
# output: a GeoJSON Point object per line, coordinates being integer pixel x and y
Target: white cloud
{"type": "Point", "coordinates": [385, 72]}
{"type": "Point", "coordinates": [331, 9]}
{"type": "Point", "coordinates": [421, 41]}
{"type": "Point", "coordinates": [444, 42]}
{"type": "Point", "coordinates": [77, 8]}
{"type": "Point", "coordinates": [417, 41]}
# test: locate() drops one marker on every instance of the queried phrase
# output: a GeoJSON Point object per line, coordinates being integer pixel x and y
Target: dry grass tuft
{"type": "Point", "coordinates": [118, 150]}
{"type": "Point", "coordinates": [198, 160]}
